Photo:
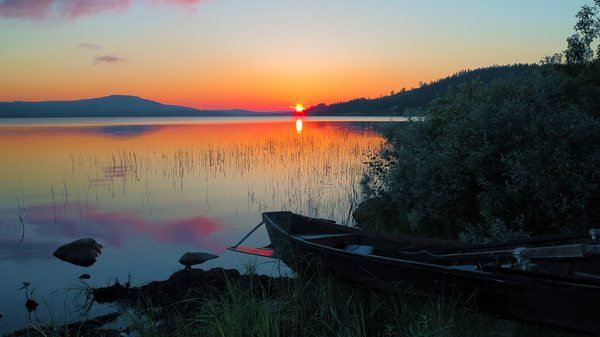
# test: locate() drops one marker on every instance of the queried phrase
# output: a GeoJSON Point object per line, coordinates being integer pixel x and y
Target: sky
{"type": "Point", "coordinates": [263, 55]}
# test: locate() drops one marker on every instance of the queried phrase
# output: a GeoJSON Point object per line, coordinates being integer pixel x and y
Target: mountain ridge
{"type": "Point", "coordinates": [111, 106]}
{"type": "Point", "coordinates": [405, 102]}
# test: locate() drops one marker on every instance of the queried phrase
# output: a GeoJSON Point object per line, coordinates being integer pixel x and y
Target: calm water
{"type": "Point", "coordinates": [149, 190]}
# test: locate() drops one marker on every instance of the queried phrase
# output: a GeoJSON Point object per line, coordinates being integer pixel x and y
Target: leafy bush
{"type": "Point", "coordinates": [516, 157]}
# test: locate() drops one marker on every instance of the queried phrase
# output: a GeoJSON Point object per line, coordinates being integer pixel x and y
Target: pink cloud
{"type": "Point", "coordinates": [37, 10]}
{"type": "Point", "coordinates": [25, 9]}
{"type": "Point", "coordinates": [72, 9]}
{"type": "Point", "coordinates": [180, 2]}
{"type": "Point", "coordinates": [89, 45]}
{"type": "Point", "coordinates": [107, 59]}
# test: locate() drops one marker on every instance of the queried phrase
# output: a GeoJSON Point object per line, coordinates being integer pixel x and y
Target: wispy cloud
{"type": "Point", "coordinates": [37, 10]}
{"type": "Point", "coordinates": [89, 45]}
{"type": "Point", "coordinates": [107, 59]}
{"type": "Point", "coordinates": [25, 9]}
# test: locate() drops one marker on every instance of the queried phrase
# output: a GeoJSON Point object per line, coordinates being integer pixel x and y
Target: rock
{"type": "Point", "coordinates": [84, 276]}
{"type": "Point", "coordinates": [82, 252]}
{"type": "Point", "coordinates": [193, 258]}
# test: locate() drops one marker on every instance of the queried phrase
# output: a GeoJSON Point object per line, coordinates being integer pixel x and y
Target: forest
{"type": "Point", "coordinates": [411, 102]}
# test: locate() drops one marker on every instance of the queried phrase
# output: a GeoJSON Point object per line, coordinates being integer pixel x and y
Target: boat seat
{"type": "Point", "coordinates": [359, 249]}
{"type": "Point", "coordinates": [331, 239]}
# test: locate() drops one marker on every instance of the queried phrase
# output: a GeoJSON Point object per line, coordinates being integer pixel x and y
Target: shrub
{"type": "Point", "coordinates": [518, 156]}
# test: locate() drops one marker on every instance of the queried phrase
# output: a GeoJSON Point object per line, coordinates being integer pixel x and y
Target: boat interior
{"type": "Point", "coordinates": [574, 260]}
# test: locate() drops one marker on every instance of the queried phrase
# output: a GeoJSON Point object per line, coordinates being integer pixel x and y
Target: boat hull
{"type": "Point", "coordinates": [565, 302]}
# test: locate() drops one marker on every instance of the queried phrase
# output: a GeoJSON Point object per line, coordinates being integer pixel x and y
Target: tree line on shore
{"type": "Point", "coordinates": [513, 157]}
{"type": "Point", "coordinates": [406, 102]}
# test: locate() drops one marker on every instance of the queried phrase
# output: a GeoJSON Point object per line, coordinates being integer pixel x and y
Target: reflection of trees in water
{"type": "Point", "coordinates": [315, 173]}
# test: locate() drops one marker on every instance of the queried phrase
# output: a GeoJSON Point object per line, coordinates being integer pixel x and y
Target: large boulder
{"type": "Point", "coordinates": [82, 252]}
{"type": "Point", "coordinates": [190, 259]}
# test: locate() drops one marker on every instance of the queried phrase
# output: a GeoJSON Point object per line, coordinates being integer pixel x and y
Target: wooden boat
{"type": "Point", "coordinates": [554, 285]}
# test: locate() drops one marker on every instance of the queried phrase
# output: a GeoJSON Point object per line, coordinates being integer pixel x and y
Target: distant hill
{"type": "Point", "coordinates": [405, 102]}
{"type": "Point", "coordinates": [110, 106]}
{"type": "Point", "coordinates": [409, 102]}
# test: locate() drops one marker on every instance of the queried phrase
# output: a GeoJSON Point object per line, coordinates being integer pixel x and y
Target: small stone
{"type": "Point", "coordinates": [193, 258]}
{"type": "Point", "coordinates": [84, 276]}
{"type": "Point", "coordinates": [82, 252]}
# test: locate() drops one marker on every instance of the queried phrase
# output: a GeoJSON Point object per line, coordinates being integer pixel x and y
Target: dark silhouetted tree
{"type": "Point", "coordinates": [587, 29]}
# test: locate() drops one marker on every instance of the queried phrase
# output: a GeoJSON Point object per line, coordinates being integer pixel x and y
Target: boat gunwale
{"type": "Point", "coordinates": [497, 276]}
{"type": "Point", "coordinates": [370, 257]}
{"type": "Point", "coordinates": [405, 239]}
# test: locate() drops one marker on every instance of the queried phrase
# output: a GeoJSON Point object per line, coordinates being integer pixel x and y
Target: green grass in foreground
{"type": "Point", "coordinates": [306, 305]}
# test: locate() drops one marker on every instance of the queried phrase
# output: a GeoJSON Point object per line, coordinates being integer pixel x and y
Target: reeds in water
{"type": "Point", "coordinates": [316, 174]}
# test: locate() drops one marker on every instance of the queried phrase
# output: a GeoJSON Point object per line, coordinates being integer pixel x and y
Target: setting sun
{"type": "Point", "coordinates": [299, 108]}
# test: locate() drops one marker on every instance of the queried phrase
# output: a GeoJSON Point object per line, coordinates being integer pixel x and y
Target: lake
{"type": "Point", "coordinates": [150, 189]}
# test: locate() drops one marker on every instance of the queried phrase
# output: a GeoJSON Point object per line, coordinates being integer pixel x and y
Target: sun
{"type": "Point", "coordinates": [299, 108]}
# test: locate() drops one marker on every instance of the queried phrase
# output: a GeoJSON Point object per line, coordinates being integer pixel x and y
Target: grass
{"type": "Point", "coordinates": [316, 305]}
{"type": "Point", "coordinates": [308, 304]}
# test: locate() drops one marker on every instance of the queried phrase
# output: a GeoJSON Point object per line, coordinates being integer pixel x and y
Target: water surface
{"type": "Point", "coordinates": [149, 190]}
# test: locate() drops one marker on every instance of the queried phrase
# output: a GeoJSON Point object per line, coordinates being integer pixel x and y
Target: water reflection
{"type": "Point", "coordinates": [149, 193]}
{"type": "Point", "coordinates": [111, 228]}
{"type": "Point", "coordinates": [124, 130]}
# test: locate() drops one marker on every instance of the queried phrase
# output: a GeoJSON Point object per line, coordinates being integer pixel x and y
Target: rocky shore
{"type": "Point", "coordinates": [179, 297]}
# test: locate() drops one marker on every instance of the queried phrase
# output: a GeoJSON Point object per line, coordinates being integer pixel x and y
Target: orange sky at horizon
{"type": "Point", "coordinates": [264, 55]}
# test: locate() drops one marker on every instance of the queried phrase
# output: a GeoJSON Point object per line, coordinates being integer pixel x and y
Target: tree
{"type": "Point", "coordinates": [512, 157]}
{"type": "Point", "coordinates": [587, 29]}
{"type": "Point", "coordinates": [554, 59]}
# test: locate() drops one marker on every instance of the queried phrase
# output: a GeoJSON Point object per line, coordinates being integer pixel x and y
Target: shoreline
{"type": "Point", "coordinates": [197, 302]}
{"type": "Point", "coordinates": [172, 296]}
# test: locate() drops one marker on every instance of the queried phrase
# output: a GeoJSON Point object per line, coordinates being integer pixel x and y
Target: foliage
{"type": "Point", "coordinates": [584, 85]}
{"type": "Point", "coordinates": [587, 28]}
{"type": "Point", "coordinates": [518, 156]}
{"type": "Point", "coordinates": [557, 58]}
